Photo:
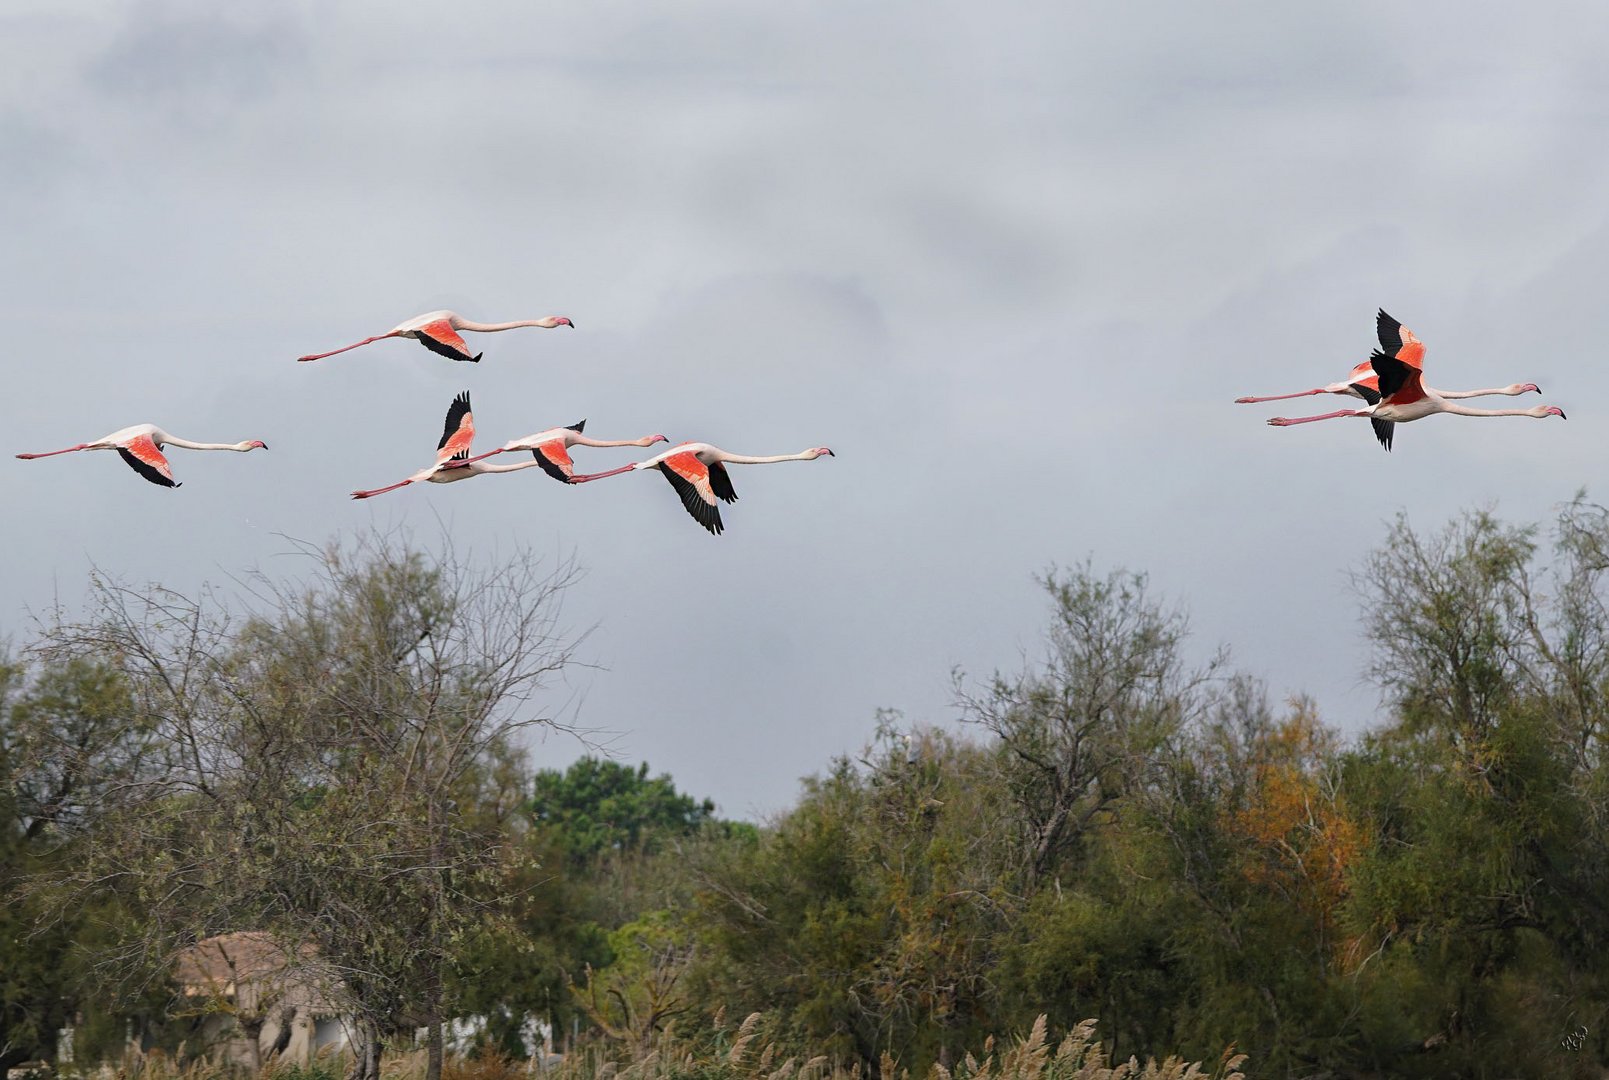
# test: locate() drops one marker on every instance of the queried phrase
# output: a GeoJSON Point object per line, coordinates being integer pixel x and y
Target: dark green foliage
{"type": "Point", "coordinates": [598, 807]}
{"type": "Point", "coordinates": [59, 726]}
{"type": "Point", "coordinates": [1119, 834]}
{"type": "Point", "coordinates": [874, 914]}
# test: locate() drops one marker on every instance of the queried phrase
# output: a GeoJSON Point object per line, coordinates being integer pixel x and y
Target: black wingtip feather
{"type": "Point", "coordinates": [1393, 373]}
{"type": "Point", "coordinates": [441, 349]}
{"type": "Point", "coordinates": [549, 467]}
{"type": "Point", "coordinates": [455, 416]}
{"type": "Point", "coordinates": [701, 511]}
{"type": "Point", "coordinates": [1388, 330]}
{"type": "Point", "coordinates": [721, 483]}
{"type": "Point", "coordinates": [579, 426]}
{"type": "Point", "coordinates": [145, 470]}
{"type": "Point", "coordinates": [1383, 430]}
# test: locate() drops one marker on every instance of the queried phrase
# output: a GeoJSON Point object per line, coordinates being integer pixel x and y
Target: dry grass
{"type": "Point", "coordinates": [749, 1057]}
{"type": "Point", "coordinates": [743, 1054]}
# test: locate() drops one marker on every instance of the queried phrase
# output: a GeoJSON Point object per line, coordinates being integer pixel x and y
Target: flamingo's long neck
{"type": "Point", "coordinates": [582, 440]}
{"type": "Point", "coordinates": [1506, 391]}
{"type": "Point", "coordinates": [1465, 410]}
{"type": "Point", "coordinates": [742, 459]}
{"type": "Point", "coordinates": [171, 440]}
{"type": "Point", "coordinates": [487, 328]}
{"type": "Point", "coordinates": [512, 467]}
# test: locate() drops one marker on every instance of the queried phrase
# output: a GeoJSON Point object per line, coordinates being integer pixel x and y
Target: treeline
{"type": "Point", "coordinates": [1113, 832]}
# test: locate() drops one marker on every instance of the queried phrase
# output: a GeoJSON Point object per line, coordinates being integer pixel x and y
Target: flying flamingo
{"type": "Point", "coordinates": [452, 454]}
{"type": "Point", "coordinates": [141, 446]}
{"type": "Point", "coordinates": [438, 332]}
{"type": "Point", "coordinates": [551, 448]}
{"type": "Point", "coordinates": [1399, 342]}
{"type": "Point", "coordinates": [1403, 395]}
{"type": "Point", "coordinates": [1363, 383]}
{"type": "Point", "coordinates": [698, 473]}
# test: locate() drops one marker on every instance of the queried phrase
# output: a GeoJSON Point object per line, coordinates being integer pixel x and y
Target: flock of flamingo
{"type": "Point", "coordinates": [1391, 381]}
{"type": "Point", "coordinates": [696, 470]}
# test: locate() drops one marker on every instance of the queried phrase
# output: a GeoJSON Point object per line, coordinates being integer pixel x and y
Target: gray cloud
{"type": "Point", "coordinates": [197, 61]}
{"type": "Point", "coordinates": [1012, 265]}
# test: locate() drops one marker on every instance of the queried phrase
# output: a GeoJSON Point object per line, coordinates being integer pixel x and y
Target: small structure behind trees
{"type": "Point", "coordinates": [252, 1000]}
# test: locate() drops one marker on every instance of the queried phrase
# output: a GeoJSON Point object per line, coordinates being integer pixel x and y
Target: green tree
{"type": "Point", "coordinates": [598, 807]}
{"type": "Point", "coordinates": [873, 914]}
{"type": "Point", "coordinates": [1082, 729]}
{"type": "Point", "coordinates": [317, 769]}
{"type": "Point", "coordinates": [64, 739]}
{"type": "Point", "coordinates": [609, 847]}
{"type": "Point", "coordinates": [1481, 904]}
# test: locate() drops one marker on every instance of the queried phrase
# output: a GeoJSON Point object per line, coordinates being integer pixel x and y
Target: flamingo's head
{"type": "Point", "coordinates": [254, 444]}
{"type": "Point", "coordinates": [1553, 410]}
{"type": "Point", "coordinates": [557, 320]}
{"type": "Point", "coordinates": [652, 439]}
{"type": "Point", "coordinates": [1528, 388]}
{"type": "Point", "coordinates": [819, 451]}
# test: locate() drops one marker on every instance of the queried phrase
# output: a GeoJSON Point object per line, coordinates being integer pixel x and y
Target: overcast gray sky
{"type": "Point", "coordinates": [1013, 263]}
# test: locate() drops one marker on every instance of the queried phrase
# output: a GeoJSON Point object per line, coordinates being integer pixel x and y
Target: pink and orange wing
{"type": "Point", "coordinates": [1398, 341]}
{"type": "Point", "coordinates": [440, 337]}
{"type": "Point", "coordinates": [555, 460]}
{"type": "Point", "coordinates": [145, 458]}
{"type": "Point", "coordinates": [1364, 382]}
{"type": "Point", "coordinates": [691, 479]}
{"type": "Point", "coordinates": [1399, 381]}
{"type": "Point", "coordinates": [459, 431]}
{"type": "Point", "coordinates": [1413, 389]}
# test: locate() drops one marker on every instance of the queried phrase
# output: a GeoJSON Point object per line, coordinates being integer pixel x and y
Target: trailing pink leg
{"type": "Point", "coordinates": [345, 348]}
{"type": "Point", "coordinates": [478, 457]}
{"type": "Point", "coordinates": [1282, 421]}
{"type": "Point", "coordinates": [601, 475]}
{"type": "Point", "coordinates": [1277, 397]}
{"type": "Point", "coordinates": [53, 453]}
{"type": "Point", "coordinates": [379, 491]}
